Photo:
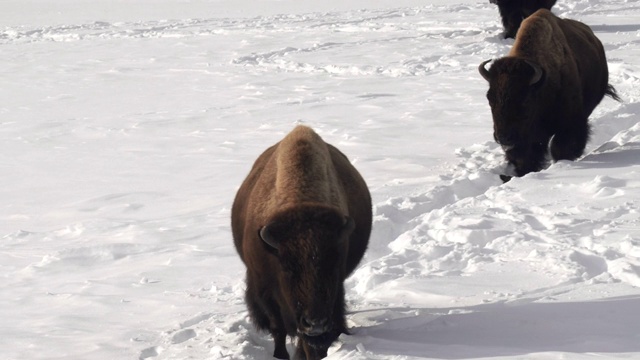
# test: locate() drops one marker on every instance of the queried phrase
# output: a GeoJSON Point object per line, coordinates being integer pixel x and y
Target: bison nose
{"type": "Point", "coordinates": [313, 327]}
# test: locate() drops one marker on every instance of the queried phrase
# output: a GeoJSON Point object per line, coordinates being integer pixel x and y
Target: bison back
{"type": "Point", "coordinates": [359, 206]}
{"type": "Point", "coordinates": [590, 59]}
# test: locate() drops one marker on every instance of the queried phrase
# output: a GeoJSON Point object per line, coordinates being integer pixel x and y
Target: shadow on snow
{"type": "Point", "coordinates": [502, 329]}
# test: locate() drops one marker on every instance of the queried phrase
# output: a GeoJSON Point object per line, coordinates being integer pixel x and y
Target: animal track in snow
{"type": "Point", "coordinates": [183, 335]}
{"type": "Point", "coordinates": [150, 352]}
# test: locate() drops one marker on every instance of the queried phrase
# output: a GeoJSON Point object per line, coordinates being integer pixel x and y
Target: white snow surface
{"type": "Point", "coordinates": [126, 128]}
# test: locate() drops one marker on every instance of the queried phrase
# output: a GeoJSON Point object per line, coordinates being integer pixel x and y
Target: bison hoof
{"type": "Point", "coordinates": [505, 178]}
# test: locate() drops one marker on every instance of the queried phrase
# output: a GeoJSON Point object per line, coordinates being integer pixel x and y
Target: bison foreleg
{"type": "Point", "coordinates": [280, 340]}
{"type": "Point", "coordinates": [569, 144]}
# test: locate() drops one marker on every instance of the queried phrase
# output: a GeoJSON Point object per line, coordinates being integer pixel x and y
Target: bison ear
{"type": "Point", "coordinates": [483, 70]}
{"type": "Point", "coordinates": [537, 72]}
{"type": "Point", "coordinates": [267, 237]}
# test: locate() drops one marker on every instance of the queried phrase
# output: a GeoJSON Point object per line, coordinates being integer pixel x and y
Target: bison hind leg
{"type": "Point", "coordinates": [505, 178]}
{"type": "Point", "coordinates": [511, 26]}
{"type": "Point", "coordinates": [569, 144]}
{"type": "Point", "coordinates": [511, 15]}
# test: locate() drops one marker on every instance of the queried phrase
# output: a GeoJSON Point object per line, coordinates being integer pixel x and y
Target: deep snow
{"type": "Point", "coordinates": [126, 128]}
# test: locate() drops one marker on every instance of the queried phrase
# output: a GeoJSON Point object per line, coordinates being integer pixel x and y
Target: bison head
{"type": "Point", "coordinates": [311, 245]}
{"type": "Point", "coordinates": [512, 86]}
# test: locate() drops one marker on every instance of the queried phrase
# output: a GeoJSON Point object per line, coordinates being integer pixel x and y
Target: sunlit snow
{"type": "Point", "coordinates": [126, 128]}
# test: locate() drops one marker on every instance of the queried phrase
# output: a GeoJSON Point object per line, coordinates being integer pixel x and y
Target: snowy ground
{"type": "Point", "coordinates": [127, 126]}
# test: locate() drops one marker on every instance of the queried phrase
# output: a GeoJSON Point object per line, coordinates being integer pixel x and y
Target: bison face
{"type": "Point", "coordinates": [512, 86]}
{"type": "Point", "coordinates": [311, 246]}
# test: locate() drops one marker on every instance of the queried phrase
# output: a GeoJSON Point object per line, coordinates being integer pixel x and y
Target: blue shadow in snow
{"type": "Point", "coordinates": [501, 329]}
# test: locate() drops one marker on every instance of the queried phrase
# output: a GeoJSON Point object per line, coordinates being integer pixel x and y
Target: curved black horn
{"type": "Point", "coordinates": [483, 71]}
{"type": "Point", "coordinates": [537, 72]}
{"type": "Point", "coordinates": [349, 224]}
{"type": "Point", "coordinates": [347, 228]}
{"type": "Point", "coordinates": [267, 237]}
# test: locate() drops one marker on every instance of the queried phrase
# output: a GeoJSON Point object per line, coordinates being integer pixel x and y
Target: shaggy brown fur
{"type": "Point", "coordinates": [512, 12]}
{"type": "Point", "coordinates": [301, 222]}
{"type": "Point", "coordinates": [554, 76]}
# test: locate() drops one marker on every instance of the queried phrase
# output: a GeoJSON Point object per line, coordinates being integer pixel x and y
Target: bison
{"type": "Point", "coordinates": [542, 93]}
{"type": "Point", "coordinates": [513, 12]}
{"type": "Point", "coordinates": [301, 222]}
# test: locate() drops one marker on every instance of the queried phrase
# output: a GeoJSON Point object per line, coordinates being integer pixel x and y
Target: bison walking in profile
{"type": "Point", "coordinates": [513, 12]}
{"type": "Point", "coordinates": [542, 93]}
{"type": "Point", "coordinates": [301, 222]}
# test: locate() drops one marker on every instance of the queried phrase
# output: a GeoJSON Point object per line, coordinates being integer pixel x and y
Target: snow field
{"type": "Point", "coordinates": [124, 140]}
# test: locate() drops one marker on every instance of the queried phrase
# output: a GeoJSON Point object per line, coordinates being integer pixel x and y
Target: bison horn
{"type": "Point", "coordinates": [483, 71]}
{"type": "Point", "coordinates": [347, 227]}
{"type": "Point", "coordinates": [349, 224]}
{"type": "Point", "coordinates": [268, 238]}
{"type": "Point", "coordinates": [537, 72]}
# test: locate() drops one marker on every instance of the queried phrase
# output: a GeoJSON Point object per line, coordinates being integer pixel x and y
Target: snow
{"type": "Point", "coordinates": [127, 127]}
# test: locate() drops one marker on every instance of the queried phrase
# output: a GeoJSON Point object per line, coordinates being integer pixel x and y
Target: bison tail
{"type": "Point", "coordinates": [611, 91]}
